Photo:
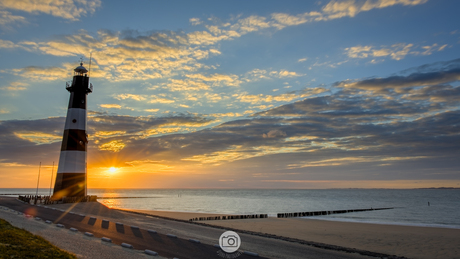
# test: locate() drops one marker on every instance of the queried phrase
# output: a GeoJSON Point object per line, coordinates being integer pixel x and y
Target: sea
{"type": "Point", "coordinates": [412, 207]}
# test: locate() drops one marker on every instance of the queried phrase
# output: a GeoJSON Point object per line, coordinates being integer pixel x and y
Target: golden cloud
{"type": "Point", "coordinates": [136, 97]}
{"type": "Point", "coordinates": [113, 146]}
{"type": "Point", "coordinates": [69, 9]}
{"type": "Point", "coordinates": [110, 106]}
{"type": "Point", "coordinates": [15, 86]}
{"type": "Point", "coordinates": [109, 134]}
{"type": "Point", "coordinates": [38, 137]}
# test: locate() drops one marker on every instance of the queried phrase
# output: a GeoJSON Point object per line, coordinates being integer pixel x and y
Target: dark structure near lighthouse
{"type": "Point", "coordinates": [71, 174]}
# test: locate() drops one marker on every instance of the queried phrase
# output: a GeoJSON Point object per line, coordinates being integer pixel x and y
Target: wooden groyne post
{"type": "Point", "coordinates": [325, 212]}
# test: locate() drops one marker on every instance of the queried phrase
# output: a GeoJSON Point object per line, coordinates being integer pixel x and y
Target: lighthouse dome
{"type": "Point", "coordinates": [81, 69]}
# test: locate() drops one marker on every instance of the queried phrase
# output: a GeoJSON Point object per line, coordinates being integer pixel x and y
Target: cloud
{"type": "Point", "coordinates": [43, 73]}
{"type": "Point", "coordinates": [207, 38]}
{"type": "Point", "coordinates": [132, 55]}
{"type": "Point", "coordinates": [274, 134]}
{"type": "Point", "coordinates": [285, 97]}
{"type": "Point", "coordinates": [350, 8]}
{"type": "Point", "coordinates": [109, 134]}
{"type": "Point", "coordinates": [302, 60]}
{"type": "Point", "coordinates": [144, 98]}
{"type": "Point", "coordinates": [113, 146]}
{"type": "Point", "coordinates": [110, 106]}
{"type": "Point", "coordinates": [156, 99]}
{"type": "Point", "coordinates": [136, 97]}
{"type": "Point", "coordinates": [70, 9]}
{"type": "Point", "coordinates": [428, 50]}
{"type": "Point", "coordinates": [251, 24]}
{"type": "Point", "coordinates": [262, 74]}
{"type": "Point", "coordinates": [412, 80]}
{"type": "Point", "coordinates": [144, 127]}
{"type": "Point", "coordinates": [195, 21]}
{"type": "Point", "coordinates": [434, 93]}
{"type": "Point", "coordinates": [354, 160]}
{"type": "Point", "coordinates": [6, 44]}
{"type": "Point", "coordinates": [127, 55]}
{"type": "Point", "coordinates": [7, 18]}
{"type": "Point", "coordinates": [335, 10]}
{"type": "Point", "coordinates": [185, 85]}
{"type": "Point", "coordinates": [228, 114]}
{"type": "Point", "coordinates": [396, 51]}
{"type": "Point", "coordinates": [38, 137]}
{"type": "Point", "coordinates": [285, 73]}
{"type": "Point", "coordinates": [15, 86]}
{"type": "Point", "coordinates": [341, 133]}
{"type": "Point", "coordinates": [217, 79]}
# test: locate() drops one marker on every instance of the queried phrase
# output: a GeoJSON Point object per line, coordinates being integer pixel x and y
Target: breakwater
{"type": "Point", "coordinates": [253, 216]}
{"type": "Point", "coordinates": [285, 215]}
{"type": "Point", "coordinates": [325, 212]}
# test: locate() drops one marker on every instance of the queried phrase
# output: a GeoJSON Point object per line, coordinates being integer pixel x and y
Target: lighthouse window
{"type": "Point", "coordinates": [74, 120]}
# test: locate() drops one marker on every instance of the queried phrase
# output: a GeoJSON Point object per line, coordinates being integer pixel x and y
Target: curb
{"type": "Point", "coordinates": [150, 252]}
{"type": "Point", "coordinates": [127, 245]}
{"type": "Point", "coordinates": [106, 239]}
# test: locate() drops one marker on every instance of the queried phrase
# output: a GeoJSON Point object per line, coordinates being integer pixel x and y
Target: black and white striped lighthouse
{"type": "Point", "coordinates": [71, 174]}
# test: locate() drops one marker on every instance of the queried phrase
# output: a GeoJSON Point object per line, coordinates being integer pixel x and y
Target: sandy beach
{"type": "Point", "coordinates": [408, 241]}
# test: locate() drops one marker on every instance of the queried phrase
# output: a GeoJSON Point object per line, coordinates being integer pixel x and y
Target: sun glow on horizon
{"type": "Point", "coordinates": [113, 170]}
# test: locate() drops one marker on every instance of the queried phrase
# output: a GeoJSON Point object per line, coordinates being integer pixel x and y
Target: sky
{"type": "Point", "coordinates": [235, 94]}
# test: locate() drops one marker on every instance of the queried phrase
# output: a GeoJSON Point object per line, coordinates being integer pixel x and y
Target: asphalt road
{"type": "Point", "coordinates": [171, 247]}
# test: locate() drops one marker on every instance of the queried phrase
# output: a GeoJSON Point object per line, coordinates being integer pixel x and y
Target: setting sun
{"type": "Point", "coordinates": [113, 170]}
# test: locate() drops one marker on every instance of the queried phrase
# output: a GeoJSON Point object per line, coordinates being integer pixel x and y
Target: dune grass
{"type": "Point", "coordinates": [19, 243]}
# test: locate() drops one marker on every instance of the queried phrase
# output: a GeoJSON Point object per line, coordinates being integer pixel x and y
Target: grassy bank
{"type": "Point", "coordinates": [19, 243]}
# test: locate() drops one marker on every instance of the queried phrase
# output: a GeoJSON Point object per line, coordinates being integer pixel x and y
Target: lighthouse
{"type": "Point", "coordinates": [71, 174]}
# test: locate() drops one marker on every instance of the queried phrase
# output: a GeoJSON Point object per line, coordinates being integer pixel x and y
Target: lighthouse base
{"type": "Point", "coordinates": [69, 185]}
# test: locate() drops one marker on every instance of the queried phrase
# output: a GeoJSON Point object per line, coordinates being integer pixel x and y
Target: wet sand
{"type": "Point", "coordinates": [408, 241]}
